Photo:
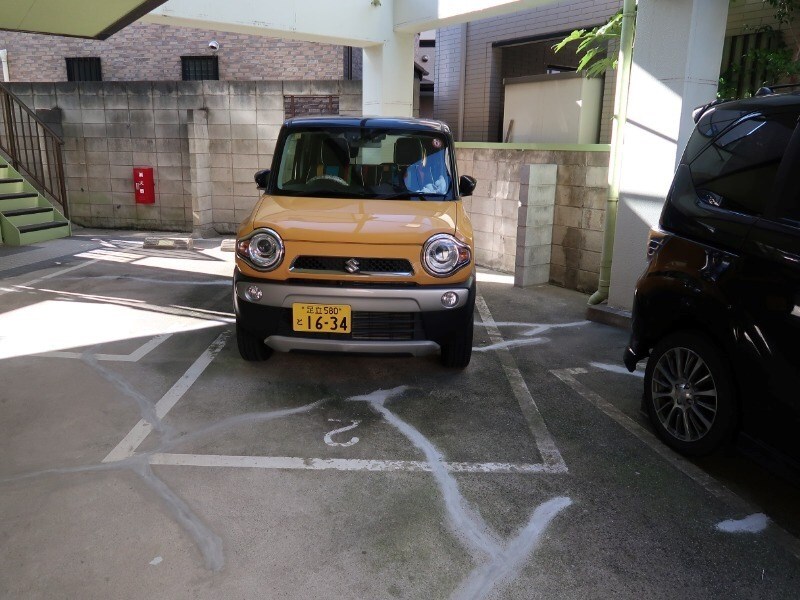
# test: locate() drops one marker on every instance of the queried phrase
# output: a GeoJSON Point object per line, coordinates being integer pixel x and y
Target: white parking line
{"type": "Point", "coordinates": [552, 462]}
{"type": "Point", "coordinates": [339, 464]}
{"type": "Point", "coordinates": [49, 276]}
{"type": "Point", "coordinates": [711, 485]}
{"type": "Point", "coordinates": [134, 356]}
{"type": "Point", "coordinates": [142, 429]}
{"type": "Point", "coordinates": [541, 435]}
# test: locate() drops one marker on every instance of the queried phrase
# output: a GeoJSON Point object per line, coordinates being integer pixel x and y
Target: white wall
{"type": "Point", "coordinates": [563, 108]}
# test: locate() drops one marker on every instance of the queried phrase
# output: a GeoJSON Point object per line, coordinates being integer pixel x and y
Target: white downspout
{"type": "Point", "coordinates": [4, 60]}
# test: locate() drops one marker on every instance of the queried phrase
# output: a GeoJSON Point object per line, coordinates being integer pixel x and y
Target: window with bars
{"type": "Point", "coordinates": [84, 68]}
{"type": "Point", "coordinates": [745, 62]}
{"type": "Point", "coordinates": [195, 68]}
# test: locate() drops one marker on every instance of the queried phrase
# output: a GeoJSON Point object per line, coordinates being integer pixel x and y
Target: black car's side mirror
{"type": "Point", "coordinates": [466, 185]}
{"type": "Point", "coordinates": [262, 178]}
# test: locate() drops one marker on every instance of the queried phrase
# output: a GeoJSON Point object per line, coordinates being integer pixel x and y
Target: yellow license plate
{"type": "Point", "coordinates": [321, 318]}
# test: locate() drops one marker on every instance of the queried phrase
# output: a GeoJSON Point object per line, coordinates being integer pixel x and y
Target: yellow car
{"type": "Point", "coordinates": [360, 243]}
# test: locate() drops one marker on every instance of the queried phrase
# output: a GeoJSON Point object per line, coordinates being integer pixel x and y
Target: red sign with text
{"type": "Point", "coordinates": [144, 185]}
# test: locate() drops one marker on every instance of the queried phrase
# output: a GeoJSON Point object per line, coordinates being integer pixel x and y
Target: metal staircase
{"type": "Point", "coordinates": [33, 199]}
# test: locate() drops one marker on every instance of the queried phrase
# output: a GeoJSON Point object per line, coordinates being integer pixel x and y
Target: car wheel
{"type": "Point", "coordinates": [457, 352]}
{"type": "Point", "coordinates": [689, 394]}
{"type": "Point", "coordinates": [251, 348]}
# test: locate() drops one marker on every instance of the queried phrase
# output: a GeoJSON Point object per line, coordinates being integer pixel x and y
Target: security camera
{"type": "Point", "coordinates": [214, 45]}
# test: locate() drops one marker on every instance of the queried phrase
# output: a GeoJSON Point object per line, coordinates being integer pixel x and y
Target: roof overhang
{"type": "Point", "coordinates": [96, 19]}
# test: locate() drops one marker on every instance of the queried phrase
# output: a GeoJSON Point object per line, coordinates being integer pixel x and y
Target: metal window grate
{"type": "Point", "coordinates": [198, 68]}
{"type": "Point", "coordinates": [745, 67]}
{"type": "Point", "coordinates": [296, 106]}
{"type": "Point", "coordinates": [84, 68]}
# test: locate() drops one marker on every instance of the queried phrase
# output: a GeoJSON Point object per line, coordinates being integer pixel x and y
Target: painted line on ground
{"type": "Point", "coordinates": [142, 429]}
{"type": "Point", "coordinates": [339, 464]}
{"type": "Point", "coordinates": [617, 369]}
{"type": "Point", "coordinates": [134, 356]}
{"type": "Point", "coordinates": [51, 275]}
{"type": "Point", "coordinates": [541, 435]}
{"type": "Point", "coordinates": [708, 483]}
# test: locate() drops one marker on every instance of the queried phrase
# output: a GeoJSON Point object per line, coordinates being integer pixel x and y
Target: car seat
{"type": "Point", "coordinates": [409, 155]}
{"type": "Point", "coordinates": [334, 159]}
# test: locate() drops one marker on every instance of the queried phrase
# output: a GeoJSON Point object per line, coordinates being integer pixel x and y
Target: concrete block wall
{"type": "Point", "coordinates": [538, 213]}
{"type": "Point", "coordinates": [204, 139]}
{"type": "Point", "coordinates": [579, 220]}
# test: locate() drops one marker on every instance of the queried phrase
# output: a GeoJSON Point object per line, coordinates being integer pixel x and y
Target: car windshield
{"type": "Point", "coordinates": [365, 163]}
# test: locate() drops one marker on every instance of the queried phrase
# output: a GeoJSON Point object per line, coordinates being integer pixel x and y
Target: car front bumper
{"type": "Point", "coordinates": [376, 311]}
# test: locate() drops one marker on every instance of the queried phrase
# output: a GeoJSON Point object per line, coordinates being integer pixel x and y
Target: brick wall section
{"type": "Point", "coordinates": [484, 63]}
{"type": "Point", "coordinates": [151, 52]}
{"type": "Point", "coordinates": [205, 141]}
{"type": "Point", "coordinates": [528, 199]}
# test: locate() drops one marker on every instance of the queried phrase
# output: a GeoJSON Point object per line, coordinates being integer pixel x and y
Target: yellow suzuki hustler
{"type": "Point", "coordinates": [360, 243]}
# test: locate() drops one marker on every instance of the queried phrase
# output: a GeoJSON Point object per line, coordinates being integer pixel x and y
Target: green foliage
{"type": "Point", "coordinates": [784, 10]}
{"type": "Point", "coordinates": [593, 46]}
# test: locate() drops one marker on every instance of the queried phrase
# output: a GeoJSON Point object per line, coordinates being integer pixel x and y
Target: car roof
{"type": "Point", "coordinates": [768, 103]}
{"type": "Point", "coordinates": [403, 123]}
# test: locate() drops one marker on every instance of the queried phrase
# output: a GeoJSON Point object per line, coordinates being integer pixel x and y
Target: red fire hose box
{"type": "Point", "coordinates": [144, 185]}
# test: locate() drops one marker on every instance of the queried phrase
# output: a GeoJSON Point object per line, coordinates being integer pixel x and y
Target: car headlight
{"type": "Point", "coordinates": [443, 255]}
{"type": "Point", "coordinates": [263, 249]}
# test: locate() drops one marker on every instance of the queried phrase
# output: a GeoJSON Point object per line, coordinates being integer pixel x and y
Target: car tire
{"type": "Point", "coordinates": [251, 348]}
{"type": "Point", "coordinates": [689, 394]}
{"type": "Point", "coordinates": [457, 352]}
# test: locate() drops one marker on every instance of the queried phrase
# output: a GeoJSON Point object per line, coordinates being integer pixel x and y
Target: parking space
{"type": "Point", "coordinates": [144, 458]}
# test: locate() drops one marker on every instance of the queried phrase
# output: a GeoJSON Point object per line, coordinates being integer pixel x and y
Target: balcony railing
{"type": "Point", "coordinates": [33, 148]}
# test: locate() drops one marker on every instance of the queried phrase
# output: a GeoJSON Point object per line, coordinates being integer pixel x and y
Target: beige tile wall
{"type": "Point", "coordinates": [538, 213]}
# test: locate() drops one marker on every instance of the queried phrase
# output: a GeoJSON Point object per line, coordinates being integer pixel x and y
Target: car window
{"type": "Point", "coordinates": [737, 169]}
{"type": "Point", "coordinates": [366, 163]}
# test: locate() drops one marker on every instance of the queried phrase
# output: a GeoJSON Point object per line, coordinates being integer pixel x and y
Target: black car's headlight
{"type": "Point", "coordinates": [443, 255]}
{"type": "Point", "coordinates": [263, 249]}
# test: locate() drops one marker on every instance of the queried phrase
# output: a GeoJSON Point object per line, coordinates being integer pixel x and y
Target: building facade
{"type": "Point", "coordinates": [473, 59]}
{"type": "Point", "coordinates": [151, 52]}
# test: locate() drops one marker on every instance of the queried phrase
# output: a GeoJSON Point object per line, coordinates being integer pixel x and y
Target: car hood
{"type": "Point", "coordinates": [355, 221]}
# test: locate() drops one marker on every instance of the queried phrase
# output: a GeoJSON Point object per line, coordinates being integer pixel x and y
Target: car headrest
{"type": "Point", "coordinates": [407, 151]}
{"type": "Point", "coordinates": [335, 152]}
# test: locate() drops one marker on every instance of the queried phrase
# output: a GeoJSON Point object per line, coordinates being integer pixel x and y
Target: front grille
{"type": "Point", "coordinates": [352, 283]}
{"type": "Point", "coordinates": [337, 264]}
{"type": "Point", "coordinates": [373, 326]}
{"type": "Point", "coordinates": [383, 326]}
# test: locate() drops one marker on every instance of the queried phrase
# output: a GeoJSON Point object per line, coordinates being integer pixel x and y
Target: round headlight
{"type": "Point", "coordinates": [443, 255]}
{"type": "Point", "coordinates": [265, 249]}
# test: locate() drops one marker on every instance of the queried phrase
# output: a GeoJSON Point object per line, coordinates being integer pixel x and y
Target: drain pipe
{"type": "Point", "coordinates": [624, 63]}
{"type": "Point", "coordinates": [4, 60]}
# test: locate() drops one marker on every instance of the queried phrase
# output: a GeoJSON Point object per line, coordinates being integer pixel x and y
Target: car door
{"type": "Point", "coordinates": [770, 292]}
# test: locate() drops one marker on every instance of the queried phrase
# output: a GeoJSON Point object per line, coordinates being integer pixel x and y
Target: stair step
{"type": "Point", "coordinates": [17, 180]}
{"type": "Point", "coordinates": [18, 212]}
{"type": "Point", "coordinates": [18, 195]}
{"type": "Point", "coordinates": [42, 226]}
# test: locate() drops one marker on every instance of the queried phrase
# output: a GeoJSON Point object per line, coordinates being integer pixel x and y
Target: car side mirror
{"type": "Point", "coordinates": [466, 185]}
{"type": "Point", "coordinates": [262, 178]}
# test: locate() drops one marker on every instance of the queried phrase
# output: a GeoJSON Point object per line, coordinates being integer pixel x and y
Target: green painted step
{"type": "Point", "coordinates": [26, 217]}
{"type": "Point", "coordinates": [17, 212]}
{"type": "Point", "coordinates": [41, 226]}
{"type": "Point", "coordinates": [17, 195]}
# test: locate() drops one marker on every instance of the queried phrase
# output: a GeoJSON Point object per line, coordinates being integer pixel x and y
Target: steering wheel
{"type": "Point", "coordinates": [333, 178]}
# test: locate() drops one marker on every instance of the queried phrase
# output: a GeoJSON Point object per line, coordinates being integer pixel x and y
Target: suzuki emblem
{"type": "Point", "coordinates": [352, 265]}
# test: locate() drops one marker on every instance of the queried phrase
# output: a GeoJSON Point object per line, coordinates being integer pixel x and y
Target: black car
{"type": "Point", "coordinates": [717, 311]}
